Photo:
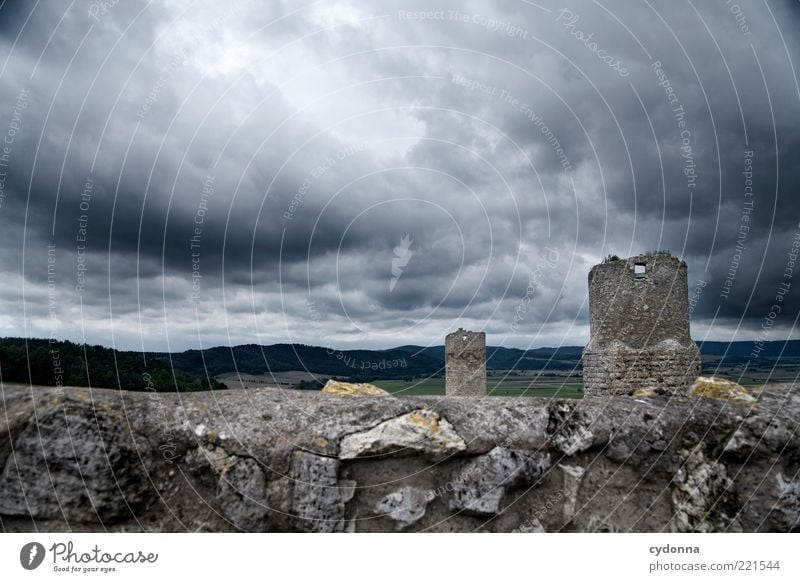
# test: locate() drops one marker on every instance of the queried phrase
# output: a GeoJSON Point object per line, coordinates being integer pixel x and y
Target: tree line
{"type": "Point", "coordinates": [62, 363]}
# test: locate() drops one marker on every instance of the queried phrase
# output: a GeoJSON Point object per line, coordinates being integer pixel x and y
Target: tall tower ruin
{"type": "Point", "coordinates": [639, 318]}
{"type": "Point", "coordinates": [465, 361]}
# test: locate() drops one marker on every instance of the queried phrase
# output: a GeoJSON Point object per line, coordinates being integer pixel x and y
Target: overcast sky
{"type": "Point", "coordinates": [371, 174]}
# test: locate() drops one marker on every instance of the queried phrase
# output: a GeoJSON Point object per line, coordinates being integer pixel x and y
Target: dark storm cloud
{"type": "Point", "coordinates": [359, 175]}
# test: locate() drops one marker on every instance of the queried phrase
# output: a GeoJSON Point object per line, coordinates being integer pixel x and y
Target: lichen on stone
{"type": "Point", "coordinates": [787, 506]}
{"type": "Point", "coordinates": [318, 501]}
{"type": "Point", "coordinates": [348, 389]}
{"type": "Point", "coordinates": [568, 429]}
{"type": "Point", "coordinates": [419, 431]}
{"type": "Point", "coordinates": [481, 486]}
{"type": "Point", "coordinates": [721, 389]}
{"type": "Point", "coordinates": [703, 497]}
{"type": "Point", "coordinates": [405, 507]}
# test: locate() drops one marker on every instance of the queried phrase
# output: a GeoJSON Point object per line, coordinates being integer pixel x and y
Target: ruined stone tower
{"type": "Point", "coordinates": [639, 317]}
{"type": "Point", "coordinates": [465, 358]}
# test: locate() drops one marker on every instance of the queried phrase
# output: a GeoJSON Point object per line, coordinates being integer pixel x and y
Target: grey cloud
{"type": "Point", "coordinates": [285, 107]}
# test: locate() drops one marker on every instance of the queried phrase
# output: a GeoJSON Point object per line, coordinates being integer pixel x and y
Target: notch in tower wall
{"type": "Point", "coordinates": [465, 362]}
{"type": "Point", "coordinates": [639, 327]}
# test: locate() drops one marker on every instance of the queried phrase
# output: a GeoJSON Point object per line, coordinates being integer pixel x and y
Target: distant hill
{"type": "Point", "coordinates": [499, 358]}
{"type": "Point", "coordinates": [62, 363]}
{"type": "Point", "coordinates": [776, 349]}
{"type": "Point", "coordinates": [255, 359]}
{"type": "Point", "coordinates": [186, 371]}
{"type": "Point", "coordinates": [414, 361]}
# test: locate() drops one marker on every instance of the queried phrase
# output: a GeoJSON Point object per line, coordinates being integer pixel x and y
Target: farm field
{"type": "Point", "coordinates": [750, 378]}
{"type": "Point", "coordinates": [758, 373]}
{"type": "Point", "coordinates": [495, 386]}
{"type": "Point", "coordinates": [234, 381]}
{"type": "Point", "coordinates": [512, 384]}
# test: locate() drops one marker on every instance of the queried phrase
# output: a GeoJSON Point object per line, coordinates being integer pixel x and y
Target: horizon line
{"type": "Point", "coordinates": [351, 349]}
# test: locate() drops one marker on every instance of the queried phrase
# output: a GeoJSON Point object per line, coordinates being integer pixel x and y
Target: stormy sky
{"type": "Point", "coordinates": [196, 173]}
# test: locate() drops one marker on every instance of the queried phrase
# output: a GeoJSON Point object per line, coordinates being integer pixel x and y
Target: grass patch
{"type": "Point", "coordinates": [495, 386]}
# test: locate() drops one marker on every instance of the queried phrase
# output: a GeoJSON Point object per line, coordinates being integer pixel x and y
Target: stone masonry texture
{"type": "Point", "coordinates": [639, 317]}
{"type": "Point", "coordinates": [465, 357]}
{"type": "Point", "coordinates": [272, 460]}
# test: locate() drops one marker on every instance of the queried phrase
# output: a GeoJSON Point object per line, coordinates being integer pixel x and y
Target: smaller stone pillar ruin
{"type": "Point", "coordinates": [465, 357]}
{"type": "Point", "coordinates": [639, 318]}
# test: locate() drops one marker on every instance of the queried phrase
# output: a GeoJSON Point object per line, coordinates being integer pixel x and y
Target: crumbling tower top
{"type": "Point", "coordinates": [639, 318]}
{"type": "Point", "coordinates": [640, 302]}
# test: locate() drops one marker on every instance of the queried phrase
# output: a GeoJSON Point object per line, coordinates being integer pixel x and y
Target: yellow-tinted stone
{"type": "Point", "coordinates": [348, 389]}
{"type": "Point", "coordinates": [645, 393]}
{"type": "Point", "coordinates": [721, 389]}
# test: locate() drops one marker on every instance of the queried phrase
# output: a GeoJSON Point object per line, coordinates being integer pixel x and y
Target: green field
{"type": "Point", "coordinates": [495, 386]}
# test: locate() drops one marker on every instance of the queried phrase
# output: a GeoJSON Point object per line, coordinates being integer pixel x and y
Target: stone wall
{"type": "Point", "coordinates": [282, 460]}
{"type": "Point", "coordinates": [465, 358]}
{"type": "Point", "coordinates": [620, 370]}
{"type": "Point", "coordinates": [639, 310]}
{"type": "Point", "coordinates": [639, 334]}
